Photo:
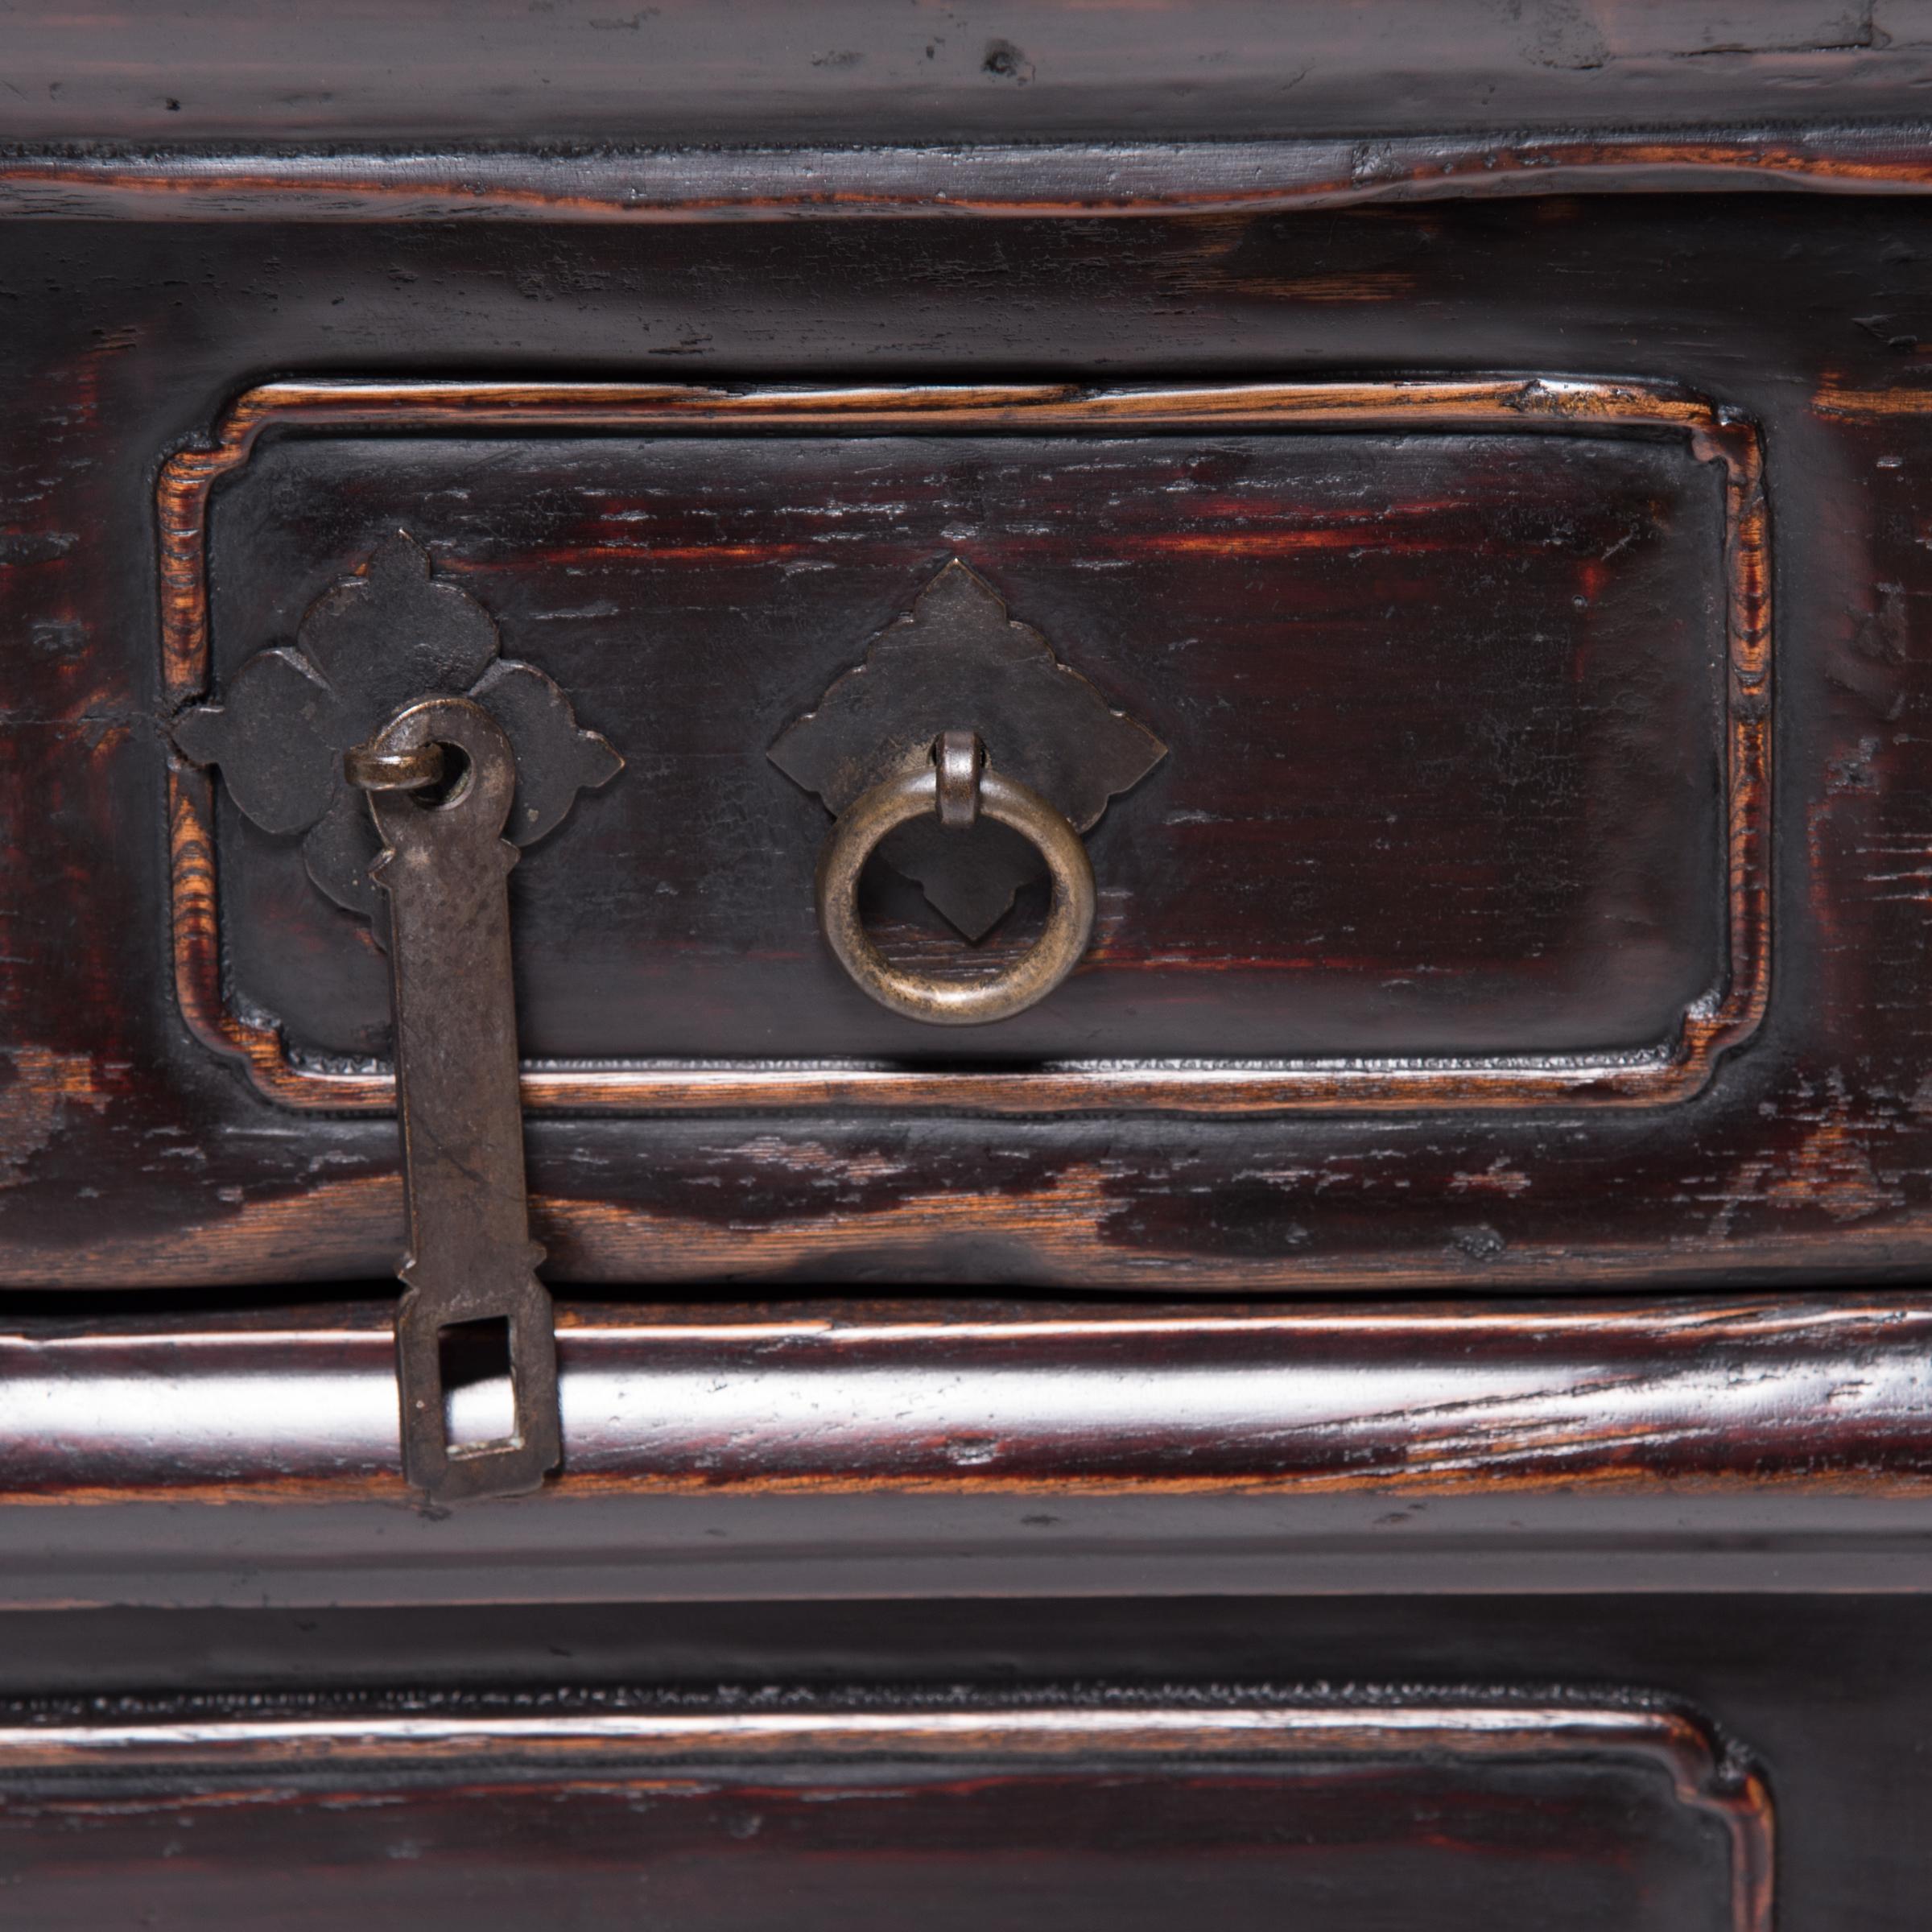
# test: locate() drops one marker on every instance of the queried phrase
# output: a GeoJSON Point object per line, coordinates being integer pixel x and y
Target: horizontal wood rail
{"type": "Point", "coordinates": [888, 1449]}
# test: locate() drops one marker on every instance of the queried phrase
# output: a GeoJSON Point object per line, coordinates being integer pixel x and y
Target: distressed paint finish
{"type": "Point", "coordinates": [134, 1155]}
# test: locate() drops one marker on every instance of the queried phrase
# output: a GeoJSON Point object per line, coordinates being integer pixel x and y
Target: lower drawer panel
{"type": "Point", "coordinates": [1094, 1809]}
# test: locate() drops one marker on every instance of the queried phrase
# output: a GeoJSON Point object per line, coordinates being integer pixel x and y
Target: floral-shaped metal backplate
{"type": "Point", "coordinates": [365, 650]}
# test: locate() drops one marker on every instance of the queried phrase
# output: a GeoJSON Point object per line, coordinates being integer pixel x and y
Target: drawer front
{"type": "Point", "coordinates": [1468, 910]}
{"type": "Point", "coordinates": [1327, 1816]}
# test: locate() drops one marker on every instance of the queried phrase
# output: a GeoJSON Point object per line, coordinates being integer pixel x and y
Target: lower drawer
{"type": "Point", "coordinates": [1093, 1810]}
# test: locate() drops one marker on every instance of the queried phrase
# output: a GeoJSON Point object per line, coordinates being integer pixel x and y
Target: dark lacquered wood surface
{"type": "Point", "coordinates": [1806, 1156]}
{"type": "Point", "coordinates": [1119, 1812]}
{"type": "Point", "coordinates": [1074, 1505]}
{"type": "Point", "coordinates": [943, 181]}
{"type": "Point", "coordinates": [1825, 1690]}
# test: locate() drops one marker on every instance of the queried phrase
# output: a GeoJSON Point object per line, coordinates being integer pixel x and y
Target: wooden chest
{"type": "Point", "coordinates": [1214, 1006]}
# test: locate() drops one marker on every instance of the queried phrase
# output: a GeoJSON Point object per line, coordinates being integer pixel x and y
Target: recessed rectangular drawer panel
{"type": "Point", "coordinates": [1320, 1816]}
{"type": "Point", "coordinates": [1439, 686]}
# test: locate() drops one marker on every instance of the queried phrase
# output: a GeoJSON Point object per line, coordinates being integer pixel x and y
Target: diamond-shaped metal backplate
{"type": "Point", "coordinates": [956, 661]}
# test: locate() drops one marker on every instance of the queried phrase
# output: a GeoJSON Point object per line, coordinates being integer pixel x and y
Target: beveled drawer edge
{"type": "Point", "coordinates": [1723, 1018]}
{"type": "Point", "coordinates": [1231, 1727]}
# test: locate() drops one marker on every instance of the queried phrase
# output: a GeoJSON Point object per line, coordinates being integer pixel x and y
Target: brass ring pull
{"type": "Point", "coordinates": [957, 786]}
